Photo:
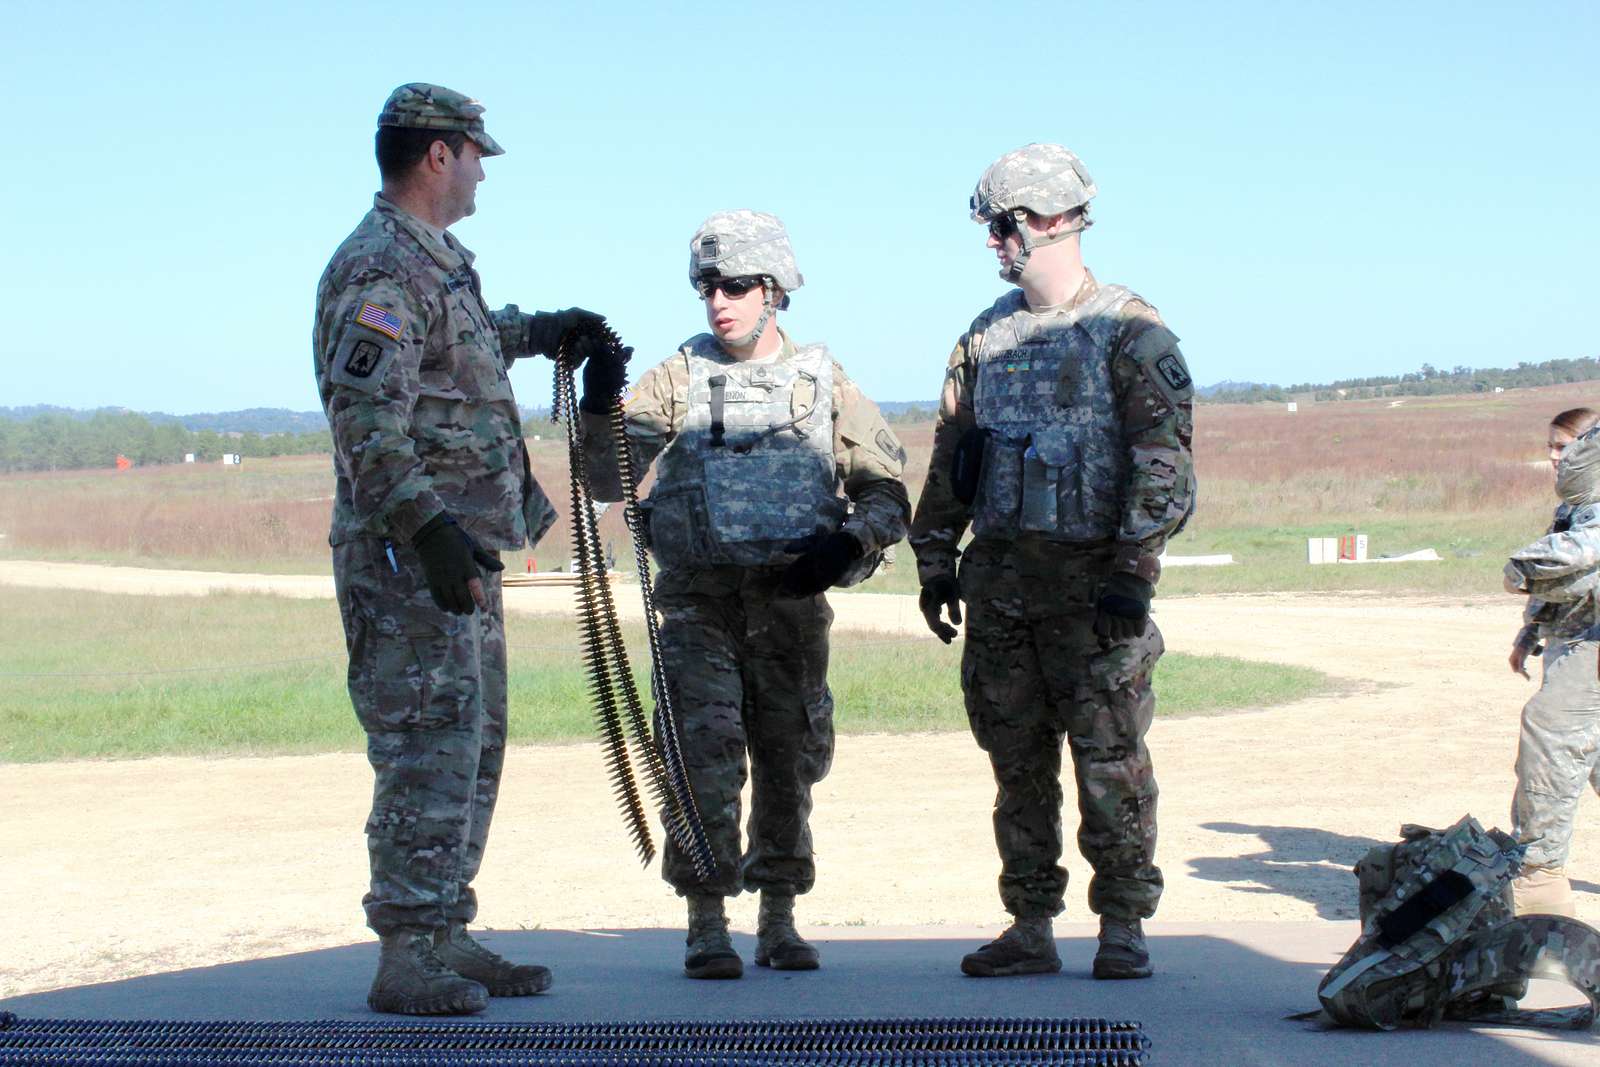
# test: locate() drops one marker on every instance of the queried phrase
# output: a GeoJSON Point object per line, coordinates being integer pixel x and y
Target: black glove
{"type": "Point", "coordinates": [941, 592]}
{"type": "Point", "coordinates": [583, 331]}
{"type": "Point", "coordinates": [966, 463]}
{"type": "Point", "coordinates": [605, 374]}
{"type": "Point", "coordinates": [1123, 608]}
{"type": "Point", "coordinates": [824, 557]}
{"type": "Point", "coordinates": [451, 559]}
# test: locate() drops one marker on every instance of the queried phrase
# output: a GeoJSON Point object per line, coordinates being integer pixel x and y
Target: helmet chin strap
{"type": "Point", "coordinates": [1019, 263]}
{"type": "Point", "coordinates": [768, 306]}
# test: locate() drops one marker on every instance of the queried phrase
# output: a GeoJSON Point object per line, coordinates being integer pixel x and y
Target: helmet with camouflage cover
{"type": "Point", "coordinates": [1045, 179]}
{"type": "Point", "coordinates": [418, 105]}
{"type": "Point", "coordinates": [746, 244]}
{"type": "Point", "coordinates": [733, 244]}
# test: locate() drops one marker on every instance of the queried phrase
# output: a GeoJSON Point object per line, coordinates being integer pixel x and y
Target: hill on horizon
{"type": "Point", "coordinates": [1426, 381]}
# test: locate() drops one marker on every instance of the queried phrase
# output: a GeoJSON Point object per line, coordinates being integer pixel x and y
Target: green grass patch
{"type": "Point", "coordinates": [1269, 558]}
{"type": "Point", "coordinates": [84, 675]}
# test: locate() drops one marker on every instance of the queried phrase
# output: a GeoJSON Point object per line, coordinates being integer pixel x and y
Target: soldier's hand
{"type": "Point", "coordinates": [582, 331]}
{"type": "Point", "coordinates": [453, 565]}
{"type": "Point", "coordinates": [1519, 659]}
{"type": "Point", "coordinates": [941, 594]}
{"type": "Point", "coordinates": [824, 557]}
{"type": "Point", "coordinates": [1123, 608]}
{"type": "Point", "coordinates": [605, 375]}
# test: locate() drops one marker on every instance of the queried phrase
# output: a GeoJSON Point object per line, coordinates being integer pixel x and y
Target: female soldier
{"type": "Point", "coordinates": [1560, 739]}
{"type": "Point", "coordinates": [777, 479]}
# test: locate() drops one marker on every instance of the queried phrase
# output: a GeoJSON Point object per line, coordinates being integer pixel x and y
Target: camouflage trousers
{"type": "Point", "coordinates": [1034, 676]}
{"type": "Point", "coordinates": [749, 678]}
{"type": "Point", "coordinates": [429, 689]}
{"type": "Point", "coordinates": [1558, 755]}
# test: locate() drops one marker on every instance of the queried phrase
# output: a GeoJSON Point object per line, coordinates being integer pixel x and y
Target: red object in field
{"type": "Point", "coordinates": [530, 564]}
{"type": "Point", "coordinates": [124, 463]}
{"type": "Point", "coordinates": [1347, 546]}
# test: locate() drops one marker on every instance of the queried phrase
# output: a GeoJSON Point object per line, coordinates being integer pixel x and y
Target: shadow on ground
{"type": "Point", "coordinates": [1216, 997]}
{"type": "Point", "coordinates": [1303, 862]}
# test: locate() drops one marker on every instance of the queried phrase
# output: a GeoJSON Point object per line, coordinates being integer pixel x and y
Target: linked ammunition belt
{"type": "Point", "coordinates": [610, 676]}
{"type": "Point", "coordinates": [900, 1042]}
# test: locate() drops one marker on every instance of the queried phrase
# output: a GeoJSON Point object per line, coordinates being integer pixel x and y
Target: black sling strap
{"type": "Point", "coordinates": [719, 384]}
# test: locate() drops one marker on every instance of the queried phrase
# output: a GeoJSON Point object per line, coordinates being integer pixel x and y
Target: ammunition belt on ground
{"type": "Point", "coordinates": [834, 1042]}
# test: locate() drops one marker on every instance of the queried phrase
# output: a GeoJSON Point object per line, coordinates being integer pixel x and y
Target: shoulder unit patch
{"type": "Point", "coordinates": [1173, 370]}
{"type": "Point", "coordinates": [363, 359]}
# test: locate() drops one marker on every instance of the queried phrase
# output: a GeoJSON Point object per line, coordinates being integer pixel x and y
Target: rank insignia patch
{"type": "Point", "coordinates": [363, 359]}
{"type": "Point", "coordinates": [383, 320]}
{"type": "Point", "coordinates": [1171, 368]}
{"type": "Point", "coordinates": [890, 447]}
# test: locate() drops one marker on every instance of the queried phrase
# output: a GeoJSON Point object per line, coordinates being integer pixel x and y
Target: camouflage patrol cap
{"type": "Point", "coordinates": [734, 243]}
{"type": "Point", "coordinates": [420, 106]}
{"type": "Point", "coordinates": [1046, 179]}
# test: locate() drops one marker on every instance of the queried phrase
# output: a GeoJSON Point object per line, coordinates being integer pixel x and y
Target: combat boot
{"type": "Point", "coordinates": [778, 945]}
{"type": "Point", "coordinates": [465, 955]}
{"type": "Point", "coordinates": [412, 980]}
{"type": "Point", "coordinates": [1122, 952]}
{"type": "Point", "coordinates": [710, 953]}
{"type": "Point", "coordinates": [1027, 947]}
{"type": "Point", "coordinates": [1543, 891]}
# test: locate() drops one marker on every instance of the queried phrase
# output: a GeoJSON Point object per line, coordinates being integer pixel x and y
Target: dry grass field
{"type": "Point", "coordinates": [1463, 474]}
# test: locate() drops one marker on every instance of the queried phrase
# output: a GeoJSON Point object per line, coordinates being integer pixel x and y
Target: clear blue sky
{"type": "Point", "coordinates": [1306, 191]}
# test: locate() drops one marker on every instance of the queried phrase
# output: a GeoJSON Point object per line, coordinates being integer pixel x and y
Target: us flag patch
{"type": "Point", "coordinates": [383, 320]}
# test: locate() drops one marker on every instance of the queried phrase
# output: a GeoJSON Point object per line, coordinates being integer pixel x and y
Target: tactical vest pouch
{"type": "Point", "coordinates": [1047, 482]}
{"type": "Point", "coordinates": [1438, 938]}
{"type": "Point", "coordinates": [999, 501]}
{"type": "Point", "coordinates": [679, 527]}
{"type": "Point", "coordinates": [758, 502]}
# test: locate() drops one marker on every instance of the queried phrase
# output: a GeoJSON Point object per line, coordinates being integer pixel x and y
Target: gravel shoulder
{"type": "Point", "coordinates": [134, 867]}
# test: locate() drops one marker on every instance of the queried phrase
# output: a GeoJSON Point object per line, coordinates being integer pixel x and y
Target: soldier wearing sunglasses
{"type": "Point", "coordinates": [777, 479]}
{"type": "Point", "coordinates": [1063, 440]}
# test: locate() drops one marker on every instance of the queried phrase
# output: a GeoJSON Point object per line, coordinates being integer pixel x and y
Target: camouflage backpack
{"type": "Point", "coordinates": [1439, 939]}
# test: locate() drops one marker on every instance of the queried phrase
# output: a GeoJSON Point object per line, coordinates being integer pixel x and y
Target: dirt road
{"type": "Point", "coordinates": [140, 866]}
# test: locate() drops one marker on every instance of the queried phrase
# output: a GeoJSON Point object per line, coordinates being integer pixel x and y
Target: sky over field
{"type": "Point", "coordinates": [1306, 191]}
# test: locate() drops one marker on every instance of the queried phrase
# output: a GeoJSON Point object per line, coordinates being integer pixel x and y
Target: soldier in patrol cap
{"type": "Point", "coordinates": [431, 483]}
{"type": "Point", "coordinates": [777, 480]}
{"type": "Point", "coordinates": [1063, 440]}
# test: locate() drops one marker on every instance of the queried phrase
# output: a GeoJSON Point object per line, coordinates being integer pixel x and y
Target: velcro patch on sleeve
{"type": "Point", "coordinates": [382, 320]}
{"type": "Point", "coordinates": [360, 362]}
{"type": "Point", "coordinates": [891, 447]}
{"type": "Point", "coordinates": [1156, 352]}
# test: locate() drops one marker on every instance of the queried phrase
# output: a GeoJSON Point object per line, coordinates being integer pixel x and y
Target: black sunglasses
{"type": "Point", "coordinates": [1002, 226]}
{"type": "Point", "coordinates": [733, 288]}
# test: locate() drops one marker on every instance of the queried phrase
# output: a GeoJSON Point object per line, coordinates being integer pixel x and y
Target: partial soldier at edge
{"type": "Point", "coordinates": [432, 483]}
{"type": "Point", "coordinates": [1063, 438]}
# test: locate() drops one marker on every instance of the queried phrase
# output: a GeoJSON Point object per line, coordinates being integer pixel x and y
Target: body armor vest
{"type": "Point", "coordinates": [751, 469]}
{"type": "Point", "coordinates": [1056, 462]}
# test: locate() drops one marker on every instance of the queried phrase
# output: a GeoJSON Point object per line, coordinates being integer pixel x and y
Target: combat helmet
{"type": "Point", "coordinates": [733, 244]}
{"type": "Point", "coordinates": [1046, 179]}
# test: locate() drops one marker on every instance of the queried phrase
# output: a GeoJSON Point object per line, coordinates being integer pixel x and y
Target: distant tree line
{"type": "Point", "coordinates": [61, 441]}
{"type": "Point", "coordinates": [1429, 381]}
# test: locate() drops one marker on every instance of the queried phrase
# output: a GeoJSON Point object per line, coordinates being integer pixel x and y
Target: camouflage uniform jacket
{"type": "Point", "coordinates": [1153, 398]}
{"type": "Point", "coordinates": [1560, 572]}
{"type": "Point", "coordinates": [868, 458]}
{"type": "Point", "coordinates": [410, 365]}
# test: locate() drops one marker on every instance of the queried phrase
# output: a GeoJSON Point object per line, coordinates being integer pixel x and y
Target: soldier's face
{"type": "Point", "coordinates": [1559, 440]}
{"type": "Point", "coordinates": [732, 318]}
{"type": "Point", "coordinates": [1004, 240]}
{"type": "Point", "coordinates": [462, 175]}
